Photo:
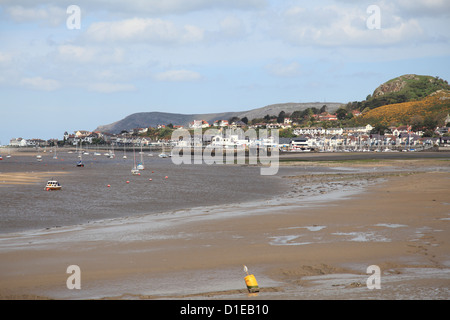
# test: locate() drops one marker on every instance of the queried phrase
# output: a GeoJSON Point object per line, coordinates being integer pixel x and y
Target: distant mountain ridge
{"type": "Point", "coordinates": [403, 89]}
{"type": "Point", "coordinates": [152, 119]}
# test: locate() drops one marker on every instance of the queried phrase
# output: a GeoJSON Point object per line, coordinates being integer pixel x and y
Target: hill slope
{"type": "Point", "coordinates": [408, 87]}
{"type": "Point", "coordinates": [399, 100]}
{"type": "Point", "coordinates": [275, 109]}
{"type": "Point", "coordinates": [433, 108]}
{"type": "Point", "coordinates": [411, 86]}
{"type": "Point", "coordinates": [152, 119]}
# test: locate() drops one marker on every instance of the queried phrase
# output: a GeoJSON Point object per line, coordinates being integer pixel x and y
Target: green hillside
{"type": "Point", "coordinates": [406, 88]}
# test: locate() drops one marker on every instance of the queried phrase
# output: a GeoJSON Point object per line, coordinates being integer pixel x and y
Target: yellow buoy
{"type": "Point", "coordinates": [251, 283]}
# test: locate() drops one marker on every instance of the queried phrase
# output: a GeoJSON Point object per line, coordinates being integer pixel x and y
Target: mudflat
{"type": "Point", "coordinates": [298, 247]}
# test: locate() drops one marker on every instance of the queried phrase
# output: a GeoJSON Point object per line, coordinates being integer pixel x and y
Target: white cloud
{"type": "Point", "coordinates": [178, 75]}
{"type": "Point", "coordinates": [158, 7]}
{"type": "Point", "coordinates": [432, 8]}
{"type": "Point", "coordinates": [48, 12]}
{"type": "Point", "coordinates": [49, 15]}
{"type": "Point", "coordinates": [89, 54]}
{"type": "Point", "coordinates": [40, 83]}
{"type": "Point", "coordinates": [143, 30]}
{"type": "Point", "coordinates": [183, 6]}
{"type": "Point", "coordinates": [105, 87]}
{"type": "Point", "coordinates": [232, 27]}
{"type": "Point", "coordinates": [284, 70]}
{"type": "Point", "coordinates": [5, 58]}
{"type": "Point", "coordinates": [336, 26]}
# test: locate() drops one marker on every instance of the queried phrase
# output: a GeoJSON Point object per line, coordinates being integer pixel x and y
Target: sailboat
{"type": "Point", "coordinates": [124, 152]}
{"type": "Point", "coordinates": [111, 153]}
{"type": "Point", "coordinates": [140, 166]}
{"type": "Point", "coordinates": [163, 154]}
{"type": "Point", "coordinates": [135, 170]}
{"type": "Point", "coordinates": [80, 162]}
{"type": "Point", "coordinates": [55, 156]}
{"type": "Point", "coordinates": [39, 157]}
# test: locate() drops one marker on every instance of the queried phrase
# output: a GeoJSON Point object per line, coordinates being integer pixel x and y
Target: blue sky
{"type": "Point", "coordinates": [202, 56]}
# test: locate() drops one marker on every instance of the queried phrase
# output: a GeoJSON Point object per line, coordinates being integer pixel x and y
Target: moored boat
{"type": "Point", "coordinates": [135, 170]}
{"type": "Point", "coordinates": [53, 185]}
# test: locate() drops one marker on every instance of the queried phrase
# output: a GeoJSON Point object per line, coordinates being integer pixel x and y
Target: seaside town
{"type": "Point", "coordinates": [224, 159]}
{"type": "Point", "coordinates": [293, 137]}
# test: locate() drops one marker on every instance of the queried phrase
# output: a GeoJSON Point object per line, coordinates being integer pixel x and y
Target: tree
{"type": "Point", "coordinates": [428, 133]}
{"type": "Point", "coordinates": [416, 122]}
{"type": "Point", "coordinates": [430, 124]}
{"type": "Point", "coordinates": [296, 115]}
{"type": "Point", "coordinates": [257, 120]}
{"type": "Point", "coordinates": [233, 119]}
{"type": "Point", "coordinates": [244, 120]}
{"type": "Point", "coordinates": [323, 109]}
{"type": "Point", "coordinates": [349, 116]}
{"type": "Point", "coordinates": [380, 129]}
{"type": "Point", "coordinates": [365, 110]}
{"type": "Point", "coordinates": [341, 114]}
{"type": "Point", "coordinates": [98, 141]}
{"type": "Point", "coordinates": [308, 112]}
{"type": "Point", "coordinates": [165, 133]}
{"type": "Point", "coordinates": [281, 117]}
{"type": "Point", "coordinates": [286, 133]}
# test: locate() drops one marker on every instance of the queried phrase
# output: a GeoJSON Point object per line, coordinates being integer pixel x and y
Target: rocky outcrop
{"type": "Point", "coordinates": [394, 85]}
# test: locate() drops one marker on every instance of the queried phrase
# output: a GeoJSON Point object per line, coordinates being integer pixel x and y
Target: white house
{"type": "Point", "coordinates": [196, 124]}
{"type": "Point", "coordinates": [19, 142]}
{"type": "Point", "coordinates": [265, 143]}
{"type": "Point", "coordinates": [334, 131]}
{"type": "Point", "coordinates": [228, 142]}
{"type": "Point", "coordinates": [300, 144]}
{"type": "Point", "coordinates": [311, 131]}
{"type": "Point", "coordinates": [82, 133]}
{"type": "Point", "coordinates": [221, 123]}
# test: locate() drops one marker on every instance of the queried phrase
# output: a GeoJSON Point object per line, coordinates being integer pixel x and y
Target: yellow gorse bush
{"type": "Point", "coordinates": [434, 105]}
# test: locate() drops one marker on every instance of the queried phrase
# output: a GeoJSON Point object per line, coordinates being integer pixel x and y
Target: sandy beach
{"type": "Point", "coordinates": [315, 243]}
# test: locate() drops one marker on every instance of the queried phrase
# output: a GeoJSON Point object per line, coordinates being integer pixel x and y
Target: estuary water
{"type": "Point", "coordinates": [105, 189]}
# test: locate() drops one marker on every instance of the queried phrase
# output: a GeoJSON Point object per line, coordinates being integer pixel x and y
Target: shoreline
{"type": "Point", "coordinates": [314, 250]}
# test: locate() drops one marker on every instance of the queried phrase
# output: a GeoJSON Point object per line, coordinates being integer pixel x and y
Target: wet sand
{"type": "Point", "coordinates": [26, 178]}
{"type": "Point", "coordinates": [307, 245]}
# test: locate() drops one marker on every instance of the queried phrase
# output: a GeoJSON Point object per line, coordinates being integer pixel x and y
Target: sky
{"type": "Point", "coordinates": [65, 68]}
